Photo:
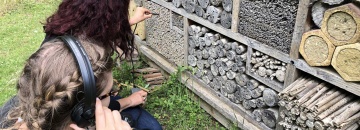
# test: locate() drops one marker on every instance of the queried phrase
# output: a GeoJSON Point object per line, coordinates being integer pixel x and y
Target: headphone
{"type": "Point", "coordinates": [83, 113]}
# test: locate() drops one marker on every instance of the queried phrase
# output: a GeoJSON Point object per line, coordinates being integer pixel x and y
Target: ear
{"type": "Point", "coordinates": [75, 127]}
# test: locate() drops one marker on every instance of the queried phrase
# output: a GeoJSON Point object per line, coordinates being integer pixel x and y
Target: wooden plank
{"type": "Point", "coordinates": [235, 16]}
{"type": "Point", "coordinates": [246, 114]}
{"type": "Point", "coordinates": [270, 83]}
{"type": "Point", "coordinates": [213, 112]}
{"type": "Point", "coordinates": [329, 75]}
{"type": "Point", "coordinates": [186, 39]}
{"type": "Point", "coordinates": [235, 36]}
{"type": "Point", "coordinates": [302, 24]}
{"type": "Point", "coordinates": [210, 96]}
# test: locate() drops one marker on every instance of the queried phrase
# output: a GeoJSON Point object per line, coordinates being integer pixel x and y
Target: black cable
{"type": "Point", "coordinates": [133, 71]}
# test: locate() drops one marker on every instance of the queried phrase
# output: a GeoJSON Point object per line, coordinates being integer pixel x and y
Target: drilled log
{"type": "Point", "coordinates": [270, 117]}
{"type": "Point", "coordinates": [260, 102]}
{"type": "Point", "coordinates": [214, 13]}
{"type": "Point", "coordinates": [246, 93]}
{"type": "Point", "coordinates": [252, 84]}
{"type": "Point", "coordinates": [189, 5]}
{"type": "Point", "coordinates": [316, 48]}
{"type": "Point", "coordinates": [225, 19]}
{"type": "Point", "coordinates": [230, 55]}
{"type": "Point", "coordinates": [333, 2]}
{"type": "Point", "coordinates": [177, 3]}
{"type": "Point", "coordinates": [241, 79]}
{"type": "Point", "coordinates": [227, 5]}
{"type": "Point", "coordinates": [238, 95]}
{"type": "Point", "coordinates": [230, 74]}
{"type": "Point", "coordinates": [252, 103]}
{"type": "Point", "coordinates": [280, 75]}
{"type": "Point", "coordinates": [230, 86]}
{"type": "Point", "coordinates": [346, 61]}
{"type": "Point", "coordinates": [216, 2]}
{"type": "Point", "coordinates": [192, 60]}
{"type": "Point", "coordinates": [257, 114]}
{"type": "Point", "coordinates": [341, 24]}
{"type": "Point", "coordinates": [204, 3]}
{"type": "Point", "coordinates": [246, 104]}
{"type": "Point", "coordinates": [240, 49]}
{"type": "Point", "coordinates": [317, 12]}
{"type": "Point", "coordinates": [257, 92]}
{"type": "Point", "coordinates": [270, 97]}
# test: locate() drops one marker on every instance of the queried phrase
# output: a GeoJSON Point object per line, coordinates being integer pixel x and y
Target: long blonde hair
{"type": "Point", "coordinates": [50, 83]}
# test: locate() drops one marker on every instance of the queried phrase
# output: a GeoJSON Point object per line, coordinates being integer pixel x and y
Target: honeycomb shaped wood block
{"type": "Point", "coordinates": [316, 48]}
{"type": "Point", "coordinates": [346, 61]}
{"type": "Point", "coordinates": [342, 24]}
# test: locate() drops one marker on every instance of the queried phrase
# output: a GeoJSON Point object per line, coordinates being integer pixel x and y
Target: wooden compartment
{"type": "Point", "coordinates": [225, 99]}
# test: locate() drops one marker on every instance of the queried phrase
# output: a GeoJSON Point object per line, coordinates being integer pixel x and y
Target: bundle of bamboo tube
{"type": "Point", "coordinates": [313, 104]}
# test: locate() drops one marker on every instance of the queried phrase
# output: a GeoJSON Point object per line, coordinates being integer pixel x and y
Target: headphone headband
{"type": "Point", "coordinates": [87, 74]}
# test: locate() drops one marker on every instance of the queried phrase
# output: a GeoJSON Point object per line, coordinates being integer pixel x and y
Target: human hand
{"type": "Point", "coordinates": [105, 119]}
{"type": "Point", "coordinates": [141, 14]}
{"type": "Point", "coordinates": [138, 98]}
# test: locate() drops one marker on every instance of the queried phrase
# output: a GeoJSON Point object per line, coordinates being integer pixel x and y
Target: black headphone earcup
{"type": "Point", "coordinates": [77, 115]}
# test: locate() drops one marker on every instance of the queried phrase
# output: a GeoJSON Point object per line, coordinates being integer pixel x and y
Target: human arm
{"type": "Point", "coordinates": [134, 99]}
{"type": "Point", "coordinates": [141, 14]}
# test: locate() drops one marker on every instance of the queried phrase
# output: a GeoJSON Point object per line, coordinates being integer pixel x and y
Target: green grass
{"type": "Point", "coordinates": [21, 34]}
{"type": "Point", "coordinates": [174, 105]}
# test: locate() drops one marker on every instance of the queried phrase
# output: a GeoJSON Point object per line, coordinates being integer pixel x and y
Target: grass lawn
{"type": "Point", "coordinates": [20, 35]}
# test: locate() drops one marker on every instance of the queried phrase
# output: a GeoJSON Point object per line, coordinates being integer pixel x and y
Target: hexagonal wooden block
{"type": "Point", "coordinates": [346, 61]}
{"type": "Point", "coordinates": [342, 24]}
{"type": "Point", "coordinates": [316, 48]}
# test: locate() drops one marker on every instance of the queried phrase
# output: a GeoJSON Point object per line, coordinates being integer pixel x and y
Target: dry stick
{"type": "Point", "coordinates": [354, 126]}
{"type": "Point", "coordinates": [312, 105]}
{"type": "Point", "coordinates": [329, 104]}
{"type": "Point", "coordinates": [303, 115]}
{"type": "Point", "coordinates": [316, 96]}
{"type": "Point", "coordinates": [353, 119]}
{"type": "Point", "coordinates": [335, 107]}
{"type": "Point", "coordinates": [327, 99]}
{"type": "Point", "coordinates": [327, 94]}
{"type": "Point", "coordinates": [351, 110]}
{"type": "Point", "coordinates": [285, 91]}
{"type": "Point", "coordinates": [309, 123]}
{"type": "Point", "coordinates": [306, 90]}
{"type": "Point", "coordinates": [328, 119]}
{"type": "Point", "coordinates": [319, 125]}
{"type": "Point", "coordinates": [311, 92]}
{"type": "Point", "coordinates": [298, 89]}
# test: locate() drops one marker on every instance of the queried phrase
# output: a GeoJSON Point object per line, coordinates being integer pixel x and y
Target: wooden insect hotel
{"type": "Point", "coordinates": [262, 64]}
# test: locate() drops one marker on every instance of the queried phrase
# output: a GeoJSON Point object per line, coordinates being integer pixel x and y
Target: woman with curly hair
{"type": "Point", "coordinates": [50, 83]}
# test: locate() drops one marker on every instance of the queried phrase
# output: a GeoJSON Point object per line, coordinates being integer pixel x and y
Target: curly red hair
{"type": "Point", "coordinates": [106, 21]}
